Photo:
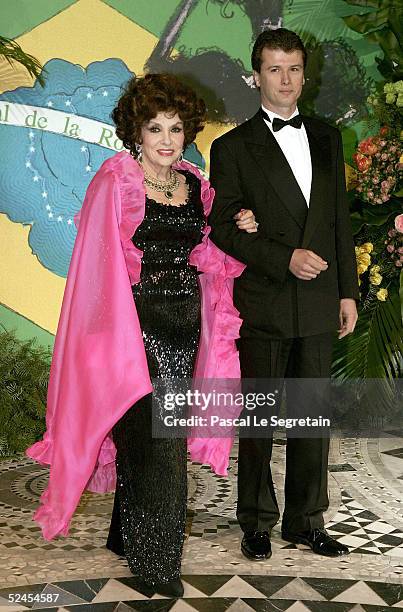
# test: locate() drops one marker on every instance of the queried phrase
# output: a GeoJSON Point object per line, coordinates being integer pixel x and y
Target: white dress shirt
{"type": "Point", "coordinates": [295, 146]}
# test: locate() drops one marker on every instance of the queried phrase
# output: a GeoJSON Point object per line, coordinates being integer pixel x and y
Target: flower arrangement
{"type": "Point", "coordinates": [378, 158]}
{"type": "Point", "coordinates": [379, 169]}
{"type": "Point", "coordinates": [379, 263]}
{"type": "Point", "coordinates": [394, 93]}
{"type": "Point", "coordinates": [394, 242]}
{"type": "Point", "coordinates": [375, 349]}
{"type": "Point", "coordinates": [386, 107]}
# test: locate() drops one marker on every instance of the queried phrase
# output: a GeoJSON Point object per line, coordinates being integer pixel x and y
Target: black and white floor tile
{"type": "Point", "coordinates": [78, 573]}
{"type": "Point", "coordinates": [211, 592]}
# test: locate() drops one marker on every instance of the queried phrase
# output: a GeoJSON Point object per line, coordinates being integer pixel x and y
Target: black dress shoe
{"type": "Point", "coordinates": [256, 545]}
{"type": "Point", "coordinates": [171, 589]}
{"type": "Point", "coordinates": [319, 541]}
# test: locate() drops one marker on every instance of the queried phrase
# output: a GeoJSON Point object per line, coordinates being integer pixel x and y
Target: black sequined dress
{"type": "Point", "coordinates": [149, 512]}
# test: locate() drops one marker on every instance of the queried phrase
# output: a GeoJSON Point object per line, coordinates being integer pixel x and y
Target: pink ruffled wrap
{"type": "Point", "coordinates": [99, 367]}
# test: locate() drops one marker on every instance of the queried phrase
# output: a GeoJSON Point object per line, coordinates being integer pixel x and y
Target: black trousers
{"type": "Point", "coordinates": [306, 495]}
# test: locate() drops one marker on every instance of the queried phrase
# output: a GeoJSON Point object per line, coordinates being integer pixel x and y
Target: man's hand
{"type": "Point", "coordinates": [306, 265]}
{"type": "Point", "coordinates": [348, 317]}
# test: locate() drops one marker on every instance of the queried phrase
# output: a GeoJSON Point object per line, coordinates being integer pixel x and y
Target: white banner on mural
{"type": "Point", "coordinates": [59, 122]}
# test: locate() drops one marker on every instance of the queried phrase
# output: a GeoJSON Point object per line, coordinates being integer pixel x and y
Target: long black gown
{"type": "Point", "coordinates": [149, 513]}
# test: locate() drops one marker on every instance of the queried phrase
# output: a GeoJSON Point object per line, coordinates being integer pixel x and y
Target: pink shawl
{"type": "Point", "coordinates": [99, 368]}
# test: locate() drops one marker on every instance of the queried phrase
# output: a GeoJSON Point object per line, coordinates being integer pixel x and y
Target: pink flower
{"type": "Point", "coordinates": [363, 162]}
{"type": "Point", "coordinates": [399, 223]}
{"type": "Point", "coordinates": [398, 264]}
{"type": "Point", "coordinates": [370, 194]}
{"type": "Point", "coordinates": [392, 232]}
{"type": "Point", "coordinates": [375, 179]}
{"type": "Point", "coordinates": [385, 197]}
{"type": "Point", "coordinates": [400, 250]}
{"type": "Point", "coordinates": [390, 248]}
{"type": "Point", "coordinates": [368, 146]}
{"type": "Point", "coordinates": [362, 146]}
{"type": "Point", "coordinates": [385, 185]}
{"type": "Point", "coordinates": [372, 146]}
{"type": "Point", "coordinates": [384, 156]}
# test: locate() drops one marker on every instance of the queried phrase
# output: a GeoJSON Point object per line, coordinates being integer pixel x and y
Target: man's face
{"type": "Point", "coordinates": [280, 79]}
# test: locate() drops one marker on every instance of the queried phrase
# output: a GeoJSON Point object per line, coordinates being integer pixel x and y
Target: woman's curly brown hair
{"type": "Point", "coordinates": [144, 97]}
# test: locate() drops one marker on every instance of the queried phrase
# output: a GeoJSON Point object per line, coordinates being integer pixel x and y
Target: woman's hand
{"type": "Point", "coordinates": [245, 220]}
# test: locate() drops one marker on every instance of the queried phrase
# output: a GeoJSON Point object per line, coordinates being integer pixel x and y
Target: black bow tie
{"type": "Point", "coordinates": [278, 124]}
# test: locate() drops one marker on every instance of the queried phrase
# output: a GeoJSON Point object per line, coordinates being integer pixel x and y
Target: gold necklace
{"type": "Point", "coordinates": [166, 187]}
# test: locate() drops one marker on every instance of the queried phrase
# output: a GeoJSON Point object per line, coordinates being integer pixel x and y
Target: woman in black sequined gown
{"type": "Point", "coordinates": [150, 502]}
{"type": "Point", "coordinates": [149, 511]}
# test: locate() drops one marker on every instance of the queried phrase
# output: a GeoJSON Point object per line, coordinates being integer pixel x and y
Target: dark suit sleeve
{"type": "Point", "coordinates": [346, 262]}
{"type": "Point", "coordinates": [261, 255]}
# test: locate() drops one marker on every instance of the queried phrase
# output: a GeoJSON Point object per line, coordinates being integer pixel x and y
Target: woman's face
{"type": "Point", "coordinates": [162, 140]}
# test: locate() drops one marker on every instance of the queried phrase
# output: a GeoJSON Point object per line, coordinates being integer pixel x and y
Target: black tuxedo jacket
{"type": "Point", "coordinates": [249, 170]}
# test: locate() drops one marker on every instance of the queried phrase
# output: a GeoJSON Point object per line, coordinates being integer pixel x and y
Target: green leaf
{"type": "Point", "coordinates": [366, 3]}
{"type": "Point", "coordinates": [12, 52]}
{"type": "Point", "coordinates": [375, 348]}
{"type": "Point", "coordinates": [368, 22]}
{"type": "Point", "coordinates": [387, 41]}
{"type": "Point", "coordinates": [373, 214]}
{"type": "Point", "coordinates": [316, 20]}
{"type": "Point", "coordinates": [24, 370]}
{"type": "Point", "coordinates": [381, 26]}
{"type": "Point", "coordinates": [395, 23]}
{"type": "Point", "coordinates": [373, 354]}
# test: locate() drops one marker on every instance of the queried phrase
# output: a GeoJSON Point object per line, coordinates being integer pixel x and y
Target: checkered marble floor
{"type": "Point", "coordinates": [366, 513]}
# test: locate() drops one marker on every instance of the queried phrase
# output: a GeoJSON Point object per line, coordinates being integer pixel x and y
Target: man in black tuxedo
{"type": "Point", "coordinates": [300, 283]}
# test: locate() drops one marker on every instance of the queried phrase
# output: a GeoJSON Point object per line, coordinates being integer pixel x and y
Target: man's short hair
{"type": "Point", "coordinates": [281, 38]}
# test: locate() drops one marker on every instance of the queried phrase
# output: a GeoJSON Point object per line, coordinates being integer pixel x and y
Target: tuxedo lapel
{"type": "Point", "coordinates": [319, 148]}
{"type": "Point", "coordinates": [274, 166]}
{"type": "Point", "coordinates": [272, 163]}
